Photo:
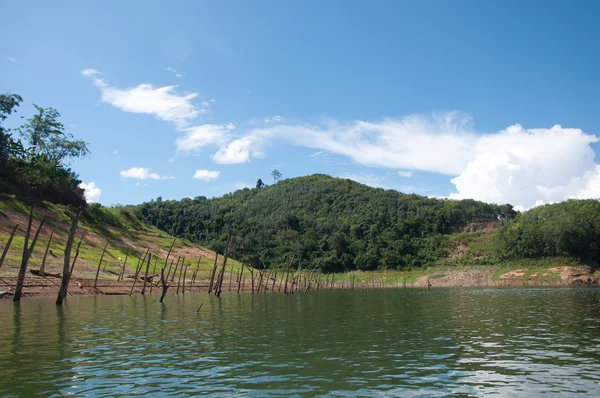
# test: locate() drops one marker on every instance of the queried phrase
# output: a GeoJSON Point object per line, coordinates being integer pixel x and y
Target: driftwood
{"type": "Point", "coordinates": [10, 239]}
{"type": "Point", "coordinates": [27, 250]}
{"type": "Point", "coordinates": [46, 274]}
{"type": "Point", "coordinates": [64, 285]}
{"type": "Point", "coordinates": [100, 263]}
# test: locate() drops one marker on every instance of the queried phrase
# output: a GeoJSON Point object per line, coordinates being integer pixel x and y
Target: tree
{"type": "Point", "coordinates": [260, 184]}
{"type": "Point", "coordinates": [46, 136]}
{"type": "Point", "coordinates": [276, 176]}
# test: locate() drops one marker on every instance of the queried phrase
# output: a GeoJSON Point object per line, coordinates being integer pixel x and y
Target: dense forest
{"type": "Point", "coordinates": [36, 164]}
{"type": "Point", "coordinates": [319, 221]}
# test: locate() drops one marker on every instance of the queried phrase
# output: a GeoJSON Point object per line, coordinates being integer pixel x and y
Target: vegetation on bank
{"type": "Point", "coordinates": [36, 164]}
{"type": "Point", "coordinates": [339, 225]}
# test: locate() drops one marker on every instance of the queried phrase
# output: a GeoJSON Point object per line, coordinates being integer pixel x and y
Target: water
{"type": "Point", "coordinates": [340, 343]}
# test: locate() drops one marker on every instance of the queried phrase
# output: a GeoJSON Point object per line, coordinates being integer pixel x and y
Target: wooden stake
{"type": "Point", "coordinates": [76, 254]}
{"type": "Point", "coordinates": [100, 263]}
{"type": "Point", "coordinates": [219, 288]}
{"type": "Point", "coordinates": [165, 286]}
{"type": "Point", "coordinates": [124, 264]}
{"type": "Point", "coordinates": [212, 275]}
{"type": "Point", "coordinates": [146, 274]}
{"type": "Point", "coordinates": [66, 277]}
{"type": "Point", "coordinates": [27, 251]}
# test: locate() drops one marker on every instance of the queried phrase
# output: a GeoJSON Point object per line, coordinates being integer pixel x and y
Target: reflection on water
{"type": "Point", "coordinates": [382, 342]}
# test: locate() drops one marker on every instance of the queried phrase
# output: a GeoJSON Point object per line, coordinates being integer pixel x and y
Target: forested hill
{"type": "Point", "coordinates": [333, 223]}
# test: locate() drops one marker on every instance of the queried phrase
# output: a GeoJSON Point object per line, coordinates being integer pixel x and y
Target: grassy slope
{"type": "Point", "coordinates": [126, 234]}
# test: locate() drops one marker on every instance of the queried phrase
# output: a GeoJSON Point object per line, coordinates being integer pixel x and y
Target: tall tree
{"type": "Point", "coordinates": [46, 135]}
{"type": "Point", "coordinates": [276, 176]}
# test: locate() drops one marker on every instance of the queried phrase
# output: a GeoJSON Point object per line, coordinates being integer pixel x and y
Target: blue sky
{"type": "Point", "coordinates": [497, 101]}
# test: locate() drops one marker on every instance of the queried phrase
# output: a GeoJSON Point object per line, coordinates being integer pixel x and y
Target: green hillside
{"type": "Point", "coordinates": [331, 223]}
{"type": "Point", "coordinates": [340, 225]}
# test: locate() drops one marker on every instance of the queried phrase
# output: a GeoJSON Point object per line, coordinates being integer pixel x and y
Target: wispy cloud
{"type": "Point", "coordinates": [162, 102]}
{"type": "Point", "coordinates": [197, 137]}
{"type": "Point", "coordinates": [405, 174]}
{"type": "Point", "coordinates": [207, 175]}
{"type": "Point", "coordinates": [11, 59]}
{"type": "Point", "coordinates": [177, 73]}
{"type": "Point", "coordinates": [142, 173]}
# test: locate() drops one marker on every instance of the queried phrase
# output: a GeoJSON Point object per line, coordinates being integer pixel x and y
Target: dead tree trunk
{"type": "Point", "coordinates": [179, 280]}
{"type": "Point", "coordinates": [43, 266]}
{"type": "Point", "coordinates": [27, 251]}
{"type": "Point", "coordinates": [212, 275]}
{"type": "Point", "coordinates": [66, 277]}
{"type": "Point", "coordinates": [170, 268]}
{"type": "Point", "coordinates": [230, 278]}
{"type": "Point", "coordinates": [165, 286]}
{"type": "Point", "coordinates": [219, 288]}
{"type": "Point", "coordinates": [146, 274]}
{"type": "Point", "coordinates": [76, 255]}
{"type": "Point", "coordinates": [100, 263]}
{"type": "Point", "coordinates": [274, 280]}
{"type": "Point", "coordinates": [137, 271]}
{"type": "Point", "coordinates": [12, 234]}
{"type": "Point", "coordinates": [280, 283]}
{"type": "Point", "coordinates": [124, 264]}
{"type": "Point", "coordinates": [240, 277]}
{"type": "Point", "coordinates": [177, 267]}
{"type": "Point", "coordinates": [287, 276]}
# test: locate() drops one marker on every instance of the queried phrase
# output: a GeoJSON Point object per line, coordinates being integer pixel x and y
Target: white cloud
{"type": "Point", "coordinates": [206, 175]}
{"type": "Point", "coordinates": [515, 165]}
{"type": "Point", "coordinates": [528, 167]}
{"type": "Point", "coordinates": [163, 102]}
{"type": "Point", "coordinates": [91, 192]}
{"type": "Point", "coordinates": [198, 137]}
{"type": "Point", "coordinates": [444, 138]}
{"type": "Point", "coordinates": [237, 151]}
{"type": "Point", "coordinates": [405, 174]}
{"type": "Point", "coordinates": [141, 173]}
{"type": "Point", "coordinates": [11, 59]}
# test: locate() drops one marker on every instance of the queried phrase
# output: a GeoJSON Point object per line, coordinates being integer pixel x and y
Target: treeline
{"type": "Point", "coordinates": [570, 228]}
{"type": "Point", "coordinates": [319, 221]}
{"type": "Point", "coordinates": [34, 161]}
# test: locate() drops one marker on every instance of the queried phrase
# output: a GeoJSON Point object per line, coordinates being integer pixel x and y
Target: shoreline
{"type": "Point", "coordinates": [460, 277]}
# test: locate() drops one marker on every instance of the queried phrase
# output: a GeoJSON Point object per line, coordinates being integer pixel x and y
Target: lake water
{"type": "Point", "coordinates": [341, 343]}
